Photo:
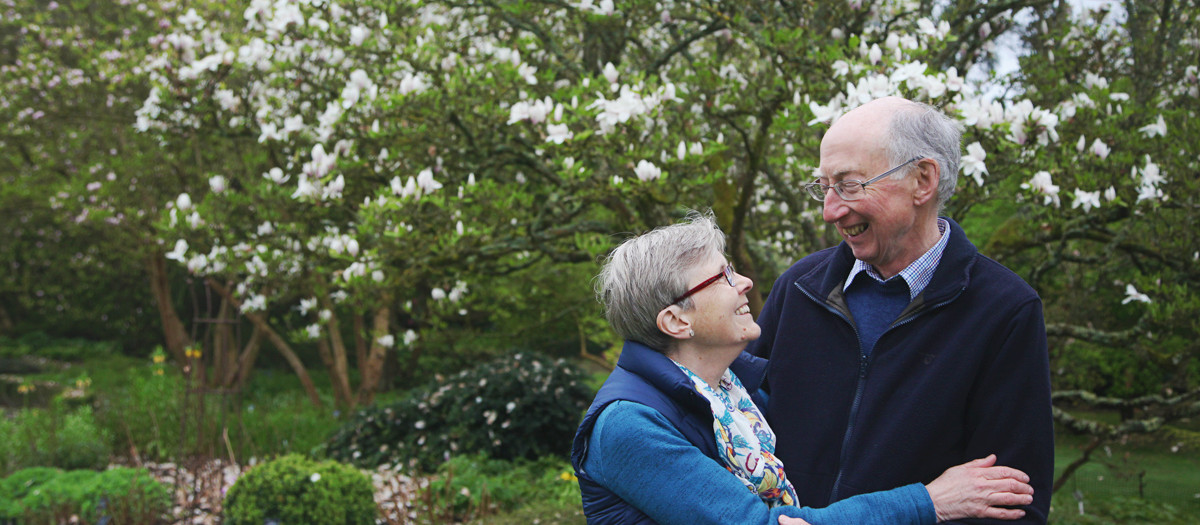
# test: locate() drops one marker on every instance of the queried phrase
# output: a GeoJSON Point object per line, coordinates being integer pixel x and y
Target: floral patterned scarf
{"type": "Point", "coordinates": [745, 441]}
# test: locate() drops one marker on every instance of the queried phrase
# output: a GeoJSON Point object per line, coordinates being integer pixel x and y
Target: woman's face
{"type": "Point", "coordinates": [721, 313]}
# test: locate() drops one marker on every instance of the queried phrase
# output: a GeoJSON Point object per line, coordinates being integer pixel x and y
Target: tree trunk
{"type": "Point", "coordinates": [371, 370]}
{"type": "Point", "coordinates": [261, 323]}
{"type": "Point", "coordinates": [224, 355]}
{"type": "Point", "coordinates": [360, 341]}
{"type": "Point", "coordinates": [341, 393]}
{"type": "Point", "coordinates": [174, 335]}
{"type": "Point", "coordinates": [340, 373]}
{"type": "Point", "coordinates": [6, 323]}
{"type": "Point", "coordinates": [245, 362]}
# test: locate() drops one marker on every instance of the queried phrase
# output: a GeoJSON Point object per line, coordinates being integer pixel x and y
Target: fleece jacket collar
{"type": "Point", "coordinates": [825, 280]}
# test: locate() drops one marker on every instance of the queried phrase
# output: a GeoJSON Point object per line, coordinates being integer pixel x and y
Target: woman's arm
{"type": "Point", "coordinates": [640, 456]}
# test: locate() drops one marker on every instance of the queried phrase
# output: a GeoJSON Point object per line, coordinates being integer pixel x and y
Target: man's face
{"type": "Point", "coordinates": [879, 226]}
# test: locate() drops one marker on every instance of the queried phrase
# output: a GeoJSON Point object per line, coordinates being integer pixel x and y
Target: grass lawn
{"type": "Point", "coordinates": [1142, 480]}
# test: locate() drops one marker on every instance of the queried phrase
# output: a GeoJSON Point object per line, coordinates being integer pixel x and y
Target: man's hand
{"type": "Point", "coordinates": [976, 489]}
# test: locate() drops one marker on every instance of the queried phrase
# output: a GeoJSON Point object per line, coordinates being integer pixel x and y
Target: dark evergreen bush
{"type": "Point", "coordinates": [518, 406]}
{"type": "Point", "coordinates": [295, 489]}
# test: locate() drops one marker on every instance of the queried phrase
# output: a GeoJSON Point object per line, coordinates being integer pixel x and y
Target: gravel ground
{"type": "Point", "coordinates": [200, 486]}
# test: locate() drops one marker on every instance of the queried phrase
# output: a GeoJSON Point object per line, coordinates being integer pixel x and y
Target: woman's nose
{"type": "Point", "coordinates": [744, 283]}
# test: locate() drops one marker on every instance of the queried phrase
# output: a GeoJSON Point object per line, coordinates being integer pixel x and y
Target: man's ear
{"type": "Point", "coordinates": [926, 178]}
{"type": "Point", "coordinates": [674, 322]}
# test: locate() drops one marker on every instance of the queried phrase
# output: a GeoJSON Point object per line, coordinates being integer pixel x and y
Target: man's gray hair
{"type": "Point", "coordinates": [923, 130]}
{"type": "Point", "coordinates": [642, 275]}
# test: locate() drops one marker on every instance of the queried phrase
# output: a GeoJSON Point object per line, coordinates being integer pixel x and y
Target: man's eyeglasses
{"type": "Point", "coordinates": [726, 272]}
{"type": "Point", "coordinates": [850, 190]}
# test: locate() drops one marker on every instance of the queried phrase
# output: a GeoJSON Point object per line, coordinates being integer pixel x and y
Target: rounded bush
{"type": "Point", "coordinates": [518, 406]}
{"type": "Point", "coordinates": [295, 489]}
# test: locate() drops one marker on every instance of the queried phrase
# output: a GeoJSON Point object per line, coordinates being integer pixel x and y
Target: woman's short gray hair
{"type": "Point", "coordinates": [642, 275]}
{"type": "Point", "coordinates": [922, 130]}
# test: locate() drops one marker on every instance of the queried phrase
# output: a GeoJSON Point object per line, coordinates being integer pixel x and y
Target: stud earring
{"type": "Point", "coordinates": [692, 333]}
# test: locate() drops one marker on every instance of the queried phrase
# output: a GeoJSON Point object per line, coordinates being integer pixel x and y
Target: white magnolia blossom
{"type": "Point", "coordinates": [181, 247]}
{"type": "Point", "coordinates": [256, 303]}
{"type": "Point", "coordinates": [1158, 128]}
{"type": "Point", "coordinates": [1094, 81]}
{"type": "Point", "coordinates": [356, 269]}
{"type": "Point", "coordinates": [313, 331]}
{"type": "Point", "coordinates": [197, 264]}
{"type": "Point", "coordinates": [307, 304]}
{"type": "Point", "coordinates": [558, 133]}
{"type": "Point", "coordinates": [217, 183]}
{"type": "Point", "coordinates": [358, 35]}
{"type": "Point", "coordinates": [194, 220]}
{"type": "Point", "coordinates": [437, 294]}
{"type": "Point", "coordinates": [183, 201]}
{"type": "Point", "coordinates": [1041, 183]}
{"type": "Point", "coordinates": [629, 103]}
{"type": "Point", "coordinates": [1132, 294]}
{"type": "Point", "coordinates": [410, 337]}
{"type": "Point", "coordinates": [333, 190]}
{"type": "Point", "coordinates": [610, 73]}
{"type": "Point", "coordinates": [647, 171]}
{"type": "Point", "coordinates": [1086, 199]}
{"type": "Point", "coordinates": [535, 112]}
{"type": "Point", "coordinates": [386, 340]}
{"type": "Point", "coordinates": [973, 165]}
{"type": "Point", "coordinates": [460, 289]}
{"type": "Point", "coordinates": [426, 183]}
{"type": "Point", "coordinates": [1100, 149]}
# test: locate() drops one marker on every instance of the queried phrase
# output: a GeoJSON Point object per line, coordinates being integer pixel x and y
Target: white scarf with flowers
{"type": "Point", "coordinates": [745, 442]}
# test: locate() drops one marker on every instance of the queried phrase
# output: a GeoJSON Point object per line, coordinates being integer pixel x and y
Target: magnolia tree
{"type": "Point", "coordinates": [81, 189]}
{"type": "Point", "coordinates": [360, 173]}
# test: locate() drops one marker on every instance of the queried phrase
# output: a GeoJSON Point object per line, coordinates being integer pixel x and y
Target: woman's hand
{"type": "Point", "coordinates": [785, 520]}
{"type": "Point", "coordinates": [974, 489]}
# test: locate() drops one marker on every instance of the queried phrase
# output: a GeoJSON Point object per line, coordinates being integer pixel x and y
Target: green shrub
{"type": "Point", "coordinates": [475, 486]}
{"type": "Point", "coordinates": [295, 489]}
{"type": "Point", "coordinates": [56, 436]}
{"type": "Point", "coordinates": [284, 423]}
{"type": "Point", "coordinates": [519, 406]}
{"type": "Point", "coordinates": [128, 495]}
{"type": "Point", "coordinates": [15, 487]}
{"type": "Point", "coordinates": [124, 495]}
{"type": "Point", "coordinates": [146, 412]}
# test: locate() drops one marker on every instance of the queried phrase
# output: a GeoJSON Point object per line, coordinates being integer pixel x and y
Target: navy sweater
{"type": "Point", "coordinates": [961, 374]}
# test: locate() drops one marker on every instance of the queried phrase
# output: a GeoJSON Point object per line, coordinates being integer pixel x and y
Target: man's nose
{"type": "Point", "coordinates": [834, 208]}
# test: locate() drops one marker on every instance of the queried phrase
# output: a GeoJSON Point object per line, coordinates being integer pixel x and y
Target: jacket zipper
{"type": "Point", "coordinates": [858, 390]}
{"type": "Point", "coordinates": [864, 362]}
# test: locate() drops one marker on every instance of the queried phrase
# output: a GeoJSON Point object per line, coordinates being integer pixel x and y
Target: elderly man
{"type": "Point", "coordinates": [902, 351]}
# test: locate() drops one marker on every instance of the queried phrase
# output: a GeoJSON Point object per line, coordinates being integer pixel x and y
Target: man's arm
{"type": "Point", "coordinates": [1009, 412]}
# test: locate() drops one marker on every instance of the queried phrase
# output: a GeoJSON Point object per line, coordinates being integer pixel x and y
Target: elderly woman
{"type": "Point", "coordinates": [675, 435]}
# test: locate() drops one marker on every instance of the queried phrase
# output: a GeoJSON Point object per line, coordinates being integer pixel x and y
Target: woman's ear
{"type": "Point", "coordinates": [926, 178]}
{"type": "Point", "coordinates": [674, 322]}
